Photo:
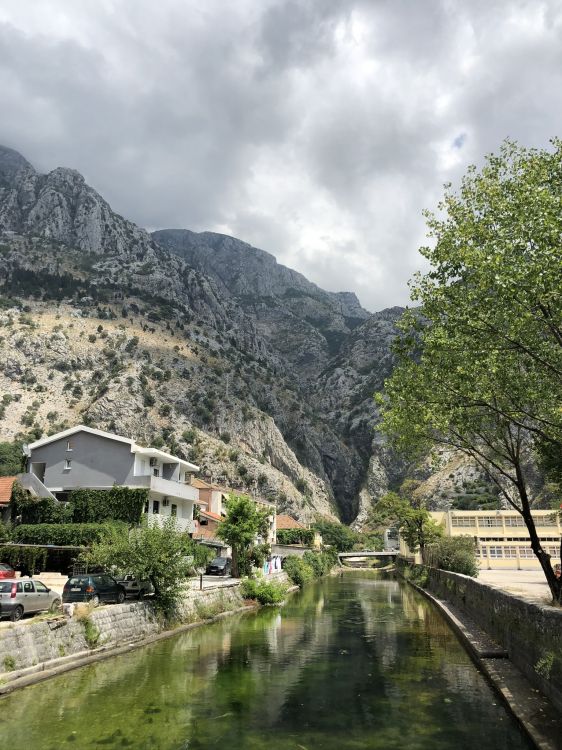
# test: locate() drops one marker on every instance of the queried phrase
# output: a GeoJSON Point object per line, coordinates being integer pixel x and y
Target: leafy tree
{"type": "Point", "coordinates": [160, 554]}
{"type": "Point", "coordinates": [11, 458]}
{"type": "Point", "coordinates": [415, 524]}
{"type": "Point", "coordinates": [337, 535]}
{"type": "Point", "coordinates": [479, 366]}
{"type": "Point", "coordinates": [244, 523]}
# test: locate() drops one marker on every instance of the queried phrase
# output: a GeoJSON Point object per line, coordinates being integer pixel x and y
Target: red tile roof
{"type": "Point", "coordinates": [287, 522]}
{"type": "Point", "coordinates": [208, 514]}
{"type": "Point", "coordinates": [6, 484]}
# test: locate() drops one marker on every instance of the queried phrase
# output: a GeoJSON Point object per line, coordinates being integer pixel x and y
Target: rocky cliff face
{"type": "Point", "coordinates": [198, 341]}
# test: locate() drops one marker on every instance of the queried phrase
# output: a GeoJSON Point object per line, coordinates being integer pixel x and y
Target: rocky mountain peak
{"type": "Point", "coordinates": [11, 162]}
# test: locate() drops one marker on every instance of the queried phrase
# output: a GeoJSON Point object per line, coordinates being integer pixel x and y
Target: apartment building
{"type": "Point", "coordinates": [85, 458]}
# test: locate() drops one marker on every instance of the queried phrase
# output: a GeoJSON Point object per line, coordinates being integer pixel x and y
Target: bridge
{"type": "Point", "coordinates": [385, 553]}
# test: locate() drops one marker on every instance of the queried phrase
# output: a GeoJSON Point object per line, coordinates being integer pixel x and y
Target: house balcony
{"type": "Point", "coordinates": [186, 525]}
{"type": "Point", "coordinates": [166, 487]}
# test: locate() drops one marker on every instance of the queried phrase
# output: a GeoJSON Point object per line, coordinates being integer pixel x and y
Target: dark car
{"type": "Point", "coordinates": [94, 587]}
{"type": "Point", "coordinates": [220, 566]}
{"type": "Point", "coordinates": [6, 571]}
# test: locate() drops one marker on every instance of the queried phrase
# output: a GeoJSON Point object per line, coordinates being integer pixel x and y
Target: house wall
{"type": "Point", "coordinates": [96, 462]}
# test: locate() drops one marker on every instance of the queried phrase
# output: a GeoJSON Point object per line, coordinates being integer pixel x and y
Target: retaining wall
{"type": "Point", "coordinates": [40, 642]}
{"type": "Point", "coordinates": [531, 633]}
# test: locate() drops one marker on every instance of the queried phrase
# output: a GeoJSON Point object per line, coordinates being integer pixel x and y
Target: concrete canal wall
{"type": "Point", "coordinates": [531, 633]}
{"type": "Point", "coordinates": [31, 646]}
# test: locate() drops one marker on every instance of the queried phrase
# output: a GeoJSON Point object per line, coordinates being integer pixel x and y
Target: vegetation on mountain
{"type": "Point", "coordinates": [479, 366]}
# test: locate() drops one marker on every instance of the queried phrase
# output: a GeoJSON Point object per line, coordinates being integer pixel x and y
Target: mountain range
{"type": "Point", "coordinates": [197, 342]}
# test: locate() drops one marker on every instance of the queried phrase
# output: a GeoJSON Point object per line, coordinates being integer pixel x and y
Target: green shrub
{"type": "Point", "coordinates": [115, 504]}
{"type": "Point", "coordinates": [266, 592]}
{"type": "Point", "coordinates": [298, 570]}
{"type": "Point", "coordinates": [295, 536]}
{"type": "Point", "coordinates": [63, 534]}
{"type": "Point", "coordinates": [457, 554]}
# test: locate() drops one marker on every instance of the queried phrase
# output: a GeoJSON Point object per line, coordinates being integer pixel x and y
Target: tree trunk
{"type": "Point", "coordinates": [554, 584]}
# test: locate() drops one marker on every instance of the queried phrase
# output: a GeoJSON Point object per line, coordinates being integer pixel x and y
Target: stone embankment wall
{"type": "Point", "coordinates": [31, 643]}
{"type": "Point", "coordinates": [531, 633]}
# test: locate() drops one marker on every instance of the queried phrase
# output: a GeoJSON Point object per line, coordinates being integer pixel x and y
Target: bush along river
{"type": "Point", "coordinates": [357, 662]}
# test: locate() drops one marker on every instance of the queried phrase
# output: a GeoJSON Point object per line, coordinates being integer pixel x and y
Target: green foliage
{"type": "Point", "coordinates": [265, 592]}
{"type": "Point", "coordinates": [115, 504]}
{"type": "Point", "coordinates": [4, 532]}
{"type": "Point", "coordinates": [295, 536]}
{"type": "Point", "coordinates": [33, 510]}
{"type": "Point", "coordinates": [479, 365]}
{"type": "Point", "coordinates": [414, 522]}
{"type": "Point", "coordinates": [298, 570]}
{"type": "Point", "coordinates": [25, 559]}
{"type": "Point", "coordinates": [243, 524]}
{"type": "Point", "coordinates": [157, 553]}
{"type": "Point", "coordinates": [337, 535]}
{"type": "Point", "coordinates": [91, 632]}
{"type": "Point", "coordinates": [457, 554]}
{"type": "Point", "coordinates": [63, 534]}
{"type": "Point", "coordinates": [11, 458]}
{"type": "Point", "coordinates": [312, 565]}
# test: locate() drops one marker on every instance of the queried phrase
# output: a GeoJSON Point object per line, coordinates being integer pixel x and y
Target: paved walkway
{"type": "Point", "coordinates": [528, 584]}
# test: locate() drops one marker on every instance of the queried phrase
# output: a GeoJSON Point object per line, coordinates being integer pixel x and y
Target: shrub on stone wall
{"type": "Point", "coordinates": [457, 554]}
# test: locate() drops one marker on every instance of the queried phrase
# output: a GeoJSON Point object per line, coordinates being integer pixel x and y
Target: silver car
{"type": "Point", "coordinates": [18, 596]}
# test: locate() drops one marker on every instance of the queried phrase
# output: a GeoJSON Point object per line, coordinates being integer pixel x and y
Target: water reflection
{"type": "Point", "coordinates": [358, 662]}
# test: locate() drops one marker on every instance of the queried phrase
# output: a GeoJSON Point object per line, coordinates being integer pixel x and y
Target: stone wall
{"type": "Point", "coordinates": [531, 633]}
{"type": "Point", "coordinates": [42, 641]}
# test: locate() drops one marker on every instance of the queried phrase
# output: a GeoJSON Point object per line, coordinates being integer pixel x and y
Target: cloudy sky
{"type": "Point", "coordinates": [315, 129]}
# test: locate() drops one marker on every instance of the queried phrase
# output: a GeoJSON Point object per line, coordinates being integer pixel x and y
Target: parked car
{"type": "Point", "coordinates": [134, 587]}
{"type": "Point", "coordinates": [94, 587]}
{"type": "Point", "coordinates": [18, 597]}
{"type": "Point", "coordinates": [6, 571]}
{"type": "Point", "coordinates": [220, 566]}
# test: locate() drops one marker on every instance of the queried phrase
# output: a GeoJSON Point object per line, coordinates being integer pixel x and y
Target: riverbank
{"type": "Point", "coordinates": [34, 651]}
{"type": "Point", "coordinates": [493, 625]}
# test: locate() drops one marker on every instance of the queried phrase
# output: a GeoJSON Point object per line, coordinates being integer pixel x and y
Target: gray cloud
{"type": "Point", "coordinates": [317, 130]}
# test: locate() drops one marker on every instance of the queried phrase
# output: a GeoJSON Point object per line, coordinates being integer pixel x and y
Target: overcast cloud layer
{"type": "Point", "coordinates": [315, 129]}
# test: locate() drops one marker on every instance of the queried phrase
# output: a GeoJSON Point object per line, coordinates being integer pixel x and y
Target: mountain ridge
{"type": "Point", "coordinates": [261, 344]}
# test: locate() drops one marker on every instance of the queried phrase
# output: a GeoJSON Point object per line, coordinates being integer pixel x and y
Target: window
{"type": "Point", "coordinates": [510, 552]}
{"type": "Point", "coordinates": [28, 587]}
{"type": "Point", "coordinates": [68, 445]}
{"type": "Point", "coordinates": [456, 521]}
{"type": "Point", "coordinates": [155, 472]}
{"type": "Point", "coordinates": [545, 521]}
{"type": "Point", "coordinates": [146, 507]}
{"type": "Point", "coordinates": [526, 552]}
{"type": "Point", "coordinates": [490, 521]}
{"type": "Point", "coordinates": [40, 587]}
{"type": "Point", "coordinates": [67, 464]}
{"type": "Point", "coordinates": [514, 521]}
{"type": "Point", "coordinates": [174, 510]}
{"type": "Point", "coordinates": [20, 588]}
{"type": "Point", "coordinates": [156, 507]}
{"type": "Point", "coordinates": [495, 551]}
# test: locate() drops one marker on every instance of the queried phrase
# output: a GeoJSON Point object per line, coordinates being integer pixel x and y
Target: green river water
{"type": "Point", "coordinates": [352, 663]}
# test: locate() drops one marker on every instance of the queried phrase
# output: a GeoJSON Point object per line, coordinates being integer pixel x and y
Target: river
{"type": "Point", "coordinates": [352, 663]}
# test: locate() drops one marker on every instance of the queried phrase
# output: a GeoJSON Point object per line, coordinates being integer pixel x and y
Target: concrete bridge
{"type": "Point", "coordinates": [359, 554]}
